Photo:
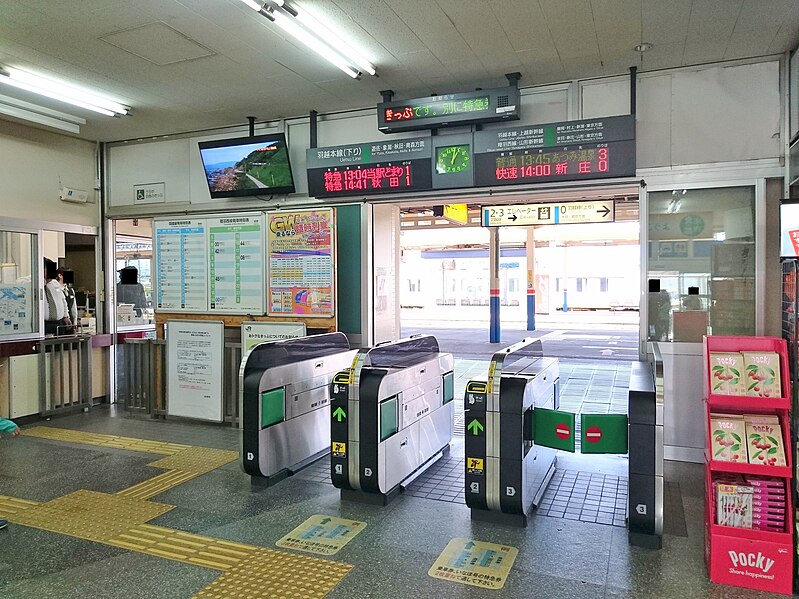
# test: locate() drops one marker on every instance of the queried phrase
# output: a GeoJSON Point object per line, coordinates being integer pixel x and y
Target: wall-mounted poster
{"type": "Point", "coordinates": [301, 263]}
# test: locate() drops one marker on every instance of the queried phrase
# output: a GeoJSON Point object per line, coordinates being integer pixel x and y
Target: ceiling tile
{"type": "Point", "coordinates": [572, 25]}
{"type": "Point", "coordinates": [159, 43]}
{"type": "Point", "coordinates": [524, 24]}
{"type": "Point", "coordinates": [665, 22]}
{"type": "Point", "coordinates": [713, 19]}
{"type": "Point", "coordinates": [661, 56]}
{"type": "Point", "coordinates": [748, 43]}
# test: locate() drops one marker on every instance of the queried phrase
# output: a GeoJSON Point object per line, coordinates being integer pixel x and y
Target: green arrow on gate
{"type": "Point", "coordinates": [475, 427]}
{"type": "Point", "coordinates": [339, 414]}
{"type": "Point", "coordinates": [324, 521]}
{"type": "Point", "coordinates": [469, 545]}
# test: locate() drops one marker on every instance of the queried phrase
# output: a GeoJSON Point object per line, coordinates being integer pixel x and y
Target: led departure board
{"type": "Point", "coordinates": [369, 169]}
{"type": "Point", "coordinates": [568, 151]}
{"type": "Point", "coordinates": [482, 106]}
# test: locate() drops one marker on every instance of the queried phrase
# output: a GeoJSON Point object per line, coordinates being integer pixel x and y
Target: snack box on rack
{"type": "Point", "coordinates": [726, 373]}
{"type": "Point", "coordinates": [727, 438]}
{"type": "Point", "coordinates": [764, 440]}
{"type": "Point", "coordinates": [762, 378]}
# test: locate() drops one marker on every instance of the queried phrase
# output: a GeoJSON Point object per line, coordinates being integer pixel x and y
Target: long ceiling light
{"type": "Point", "coordinates": [61, 92]}
{"type": "Point", "coordinates": [319, 37]}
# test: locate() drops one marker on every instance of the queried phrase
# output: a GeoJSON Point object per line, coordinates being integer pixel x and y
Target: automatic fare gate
{"type": "Point", "coordinates": [513, 428]}
{"type": "Point", "coordinates": [392, 417]}
{"type": "Point", "coordinates": [285, 403]}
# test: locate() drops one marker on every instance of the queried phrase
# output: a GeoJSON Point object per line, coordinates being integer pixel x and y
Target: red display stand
{"type": "Point", "coordinates": [745, 557]}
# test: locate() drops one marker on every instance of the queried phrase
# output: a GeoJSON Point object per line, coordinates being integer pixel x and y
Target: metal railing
{"type": "Point", "coordinates": [142, 387]}
{"type": "Point", "coordinates": [141, 380]}
{"type": "Point", "coordinates": [65, 374]}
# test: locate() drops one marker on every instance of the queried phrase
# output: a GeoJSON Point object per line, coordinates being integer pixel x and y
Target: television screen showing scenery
{"type": "Point", "coordinates": [247, 166]}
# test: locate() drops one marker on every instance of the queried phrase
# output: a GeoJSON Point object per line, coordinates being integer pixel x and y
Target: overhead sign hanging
{"type": "Point", "coordinates": [565, 151]}
{"type": "Point", "coordinates": [370, 168]}
{"type": "Point", "coordinates": [564, 213]}
{"type": "Point", "coordinates": [431, 112]}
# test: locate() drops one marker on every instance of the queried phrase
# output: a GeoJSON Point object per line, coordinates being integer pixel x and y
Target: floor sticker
{"type": "Point", "coordinates": [476, 563]}
{"type": "Point", "coordinates": [321, 534]}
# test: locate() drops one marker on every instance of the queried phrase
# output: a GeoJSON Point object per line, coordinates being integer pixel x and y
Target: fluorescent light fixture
{"type": "Point", "coordinates": [292, 28]}
{"type": "Point", "coordinates": [319, 37]}
{"type": "Point", "coordinates": [39, 115]}
{"type": "Point", "coordinates": [61, 92]}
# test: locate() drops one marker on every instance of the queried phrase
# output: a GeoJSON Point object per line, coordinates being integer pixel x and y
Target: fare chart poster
{"type": "Point", "coordinates": [301, 263]}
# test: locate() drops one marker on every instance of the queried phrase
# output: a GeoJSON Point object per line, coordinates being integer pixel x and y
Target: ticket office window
{"type": "Point", "coordinates": [701, 263]}
{"type": "Point", "coordinates": [20, 284]}
{"type": "Point", "coordinates": [133, 259]}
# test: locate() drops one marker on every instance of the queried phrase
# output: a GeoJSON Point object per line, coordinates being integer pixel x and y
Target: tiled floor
{"type": "Point", "coordinates": [586, 496]}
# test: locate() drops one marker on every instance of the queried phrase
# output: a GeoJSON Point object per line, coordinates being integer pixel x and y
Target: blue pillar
{"type": "Point", "coordinates": [565, 301]}
{"type": "Point", "coordinates": [494, 332]}
{"type": "Point", "coordinates": [531, 309]}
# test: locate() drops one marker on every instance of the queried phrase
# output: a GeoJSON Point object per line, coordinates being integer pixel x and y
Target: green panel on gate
{"type": "Point", "coordinates": [552, 428]}
{"type": "Point", "coordinates": [603, 433]}
{"type": "Point", "coordinates": [273, 407]}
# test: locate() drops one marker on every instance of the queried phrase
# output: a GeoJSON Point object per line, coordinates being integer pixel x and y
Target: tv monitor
{"type": "Point", "coordinates": [789, 228]}
{"type": "Point", "coordinates": [247, 166]}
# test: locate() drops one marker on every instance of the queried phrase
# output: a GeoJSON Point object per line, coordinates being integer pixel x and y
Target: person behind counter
{"type": "Point", "coordinates": [66, 279]}
{"type": "Point", "coordinates": [130, 291]}
{"type": "Point", "coordinates": [57, 321]}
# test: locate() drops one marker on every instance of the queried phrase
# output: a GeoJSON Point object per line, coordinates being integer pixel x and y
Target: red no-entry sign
{"type": "Point", "coordinates": [562, 430]}
{"type": "Point", "coordinates": [593, 434]}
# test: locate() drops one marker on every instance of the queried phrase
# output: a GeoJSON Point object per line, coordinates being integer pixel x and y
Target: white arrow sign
{"type": "Point", "coordinates": [525, 215]}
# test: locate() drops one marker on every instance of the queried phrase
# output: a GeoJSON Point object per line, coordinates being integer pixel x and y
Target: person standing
{"type": "Point", "coordinates": [8, 426]}
{"type": "Point", "coordinates": [65, 279]}
{"type": "Point", "coordinates": [130, 291]}
{"type": "Point", "coordinates": [57, 318]}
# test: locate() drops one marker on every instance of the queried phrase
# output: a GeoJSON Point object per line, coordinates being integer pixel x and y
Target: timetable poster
{"type": "Point", "coordinates": [236, 263]}
{"type": "Point", "coordinates": [181, 260]}
{"type": "Point", "coordinates": [301, 260]}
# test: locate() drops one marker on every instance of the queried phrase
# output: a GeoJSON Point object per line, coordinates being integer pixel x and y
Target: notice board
{"type": "Point", "coordinates": [301, 263]}
{"type": "Point", "coordinates": [195, 351]}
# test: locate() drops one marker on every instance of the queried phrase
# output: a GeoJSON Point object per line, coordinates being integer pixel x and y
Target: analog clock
{"type": "Point", "coordinates": [453, 159]}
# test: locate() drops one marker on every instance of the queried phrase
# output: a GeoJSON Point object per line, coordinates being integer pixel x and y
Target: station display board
{"type": "Point", "coordinates": [566, 151]}
{"type": "Point", "coordinates": [210, 264]}
{"type": "Point", "coordinates": [301, 261]}
{"type": "Point", "coordinates": [181, 258]}
{"type": "Point", "coordinates": [370, 168]}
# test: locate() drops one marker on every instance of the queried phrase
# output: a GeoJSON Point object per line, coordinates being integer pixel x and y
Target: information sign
{"type": "Point", "coordinates": [301, 263]}
{"type": "Point", "coordinates": [255, 332]}
{"type": "Point", "coordinates": [195, 351]}
{"type": "Point", "coordinates": [479, 564]}
{"type": "Point", "coordinates": [236, 264]}
{"type": "Point", "coordinates": [181, 265]}
{"type": "Point", "coordinates": [321, 534]}
{"type": "Point", "coordinates": [598, 211]}
{"type": "Point", "coordinates": [565, 151]}
{"type": "Point", "coordinates": [370, 168]}
{"type": "Point", "coordinates": [15, 316]}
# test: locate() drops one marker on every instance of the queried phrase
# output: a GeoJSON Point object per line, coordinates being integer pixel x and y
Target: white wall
{"type": "Point", "coordinates": [31, 163]}
{"type": "Point", "coordinates": [714, 113]}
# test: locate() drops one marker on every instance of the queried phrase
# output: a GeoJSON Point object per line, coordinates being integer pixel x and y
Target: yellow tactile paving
{"type": "Point", "coordinates": [99, 439]}
{"type": "Point", "coordinates": [10, 506]}
{"type": "Point", "coordinates": [270, 574]}
{"type": "Point", "coordinates": [158, 484]}
{"type": "Point", "coordinates": [197, 459]}
{"type": "Point", "coordinates": [90, 515]}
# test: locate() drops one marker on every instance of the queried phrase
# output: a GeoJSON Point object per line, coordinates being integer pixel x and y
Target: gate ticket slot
{"type": "Point", "coordinates": [285, 403]}
{"type": "Point", "coordinates": [392, 416]}
{"type": "Point", "coordinates": [506, 472]}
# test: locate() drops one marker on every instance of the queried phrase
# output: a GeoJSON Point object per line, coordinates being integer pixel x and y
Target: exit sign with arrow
{"type": "Point", "coordinates": [565, 213]}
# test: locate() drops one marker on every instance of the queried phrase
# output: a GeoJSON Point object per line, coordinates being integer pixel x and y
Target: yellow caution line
{"type": "Point", "coordinates": [12, 505]}
{"type": "Point", "coordinates": [158, 484]}
{"type": "Point", "coordinates": [102, 440]}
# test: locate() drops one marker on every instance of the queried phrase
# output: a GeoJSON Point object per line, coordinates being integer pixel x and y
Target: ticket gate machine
{"type": "Point", "coordinates": [391, 417]}
{"type": "Point", "coordinates": [506, 472]}
{"type": "Point", "coordinates": [285, 403]}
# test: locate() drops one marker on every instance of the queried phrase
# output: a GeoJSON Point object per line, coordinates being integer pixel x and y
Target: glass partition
{"type": "Point", "coordinates": [19, 284]}
{"type": "Point", "coordinates": [701, 263]}
{"type": "Point", "coordinates": [133, 256]}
